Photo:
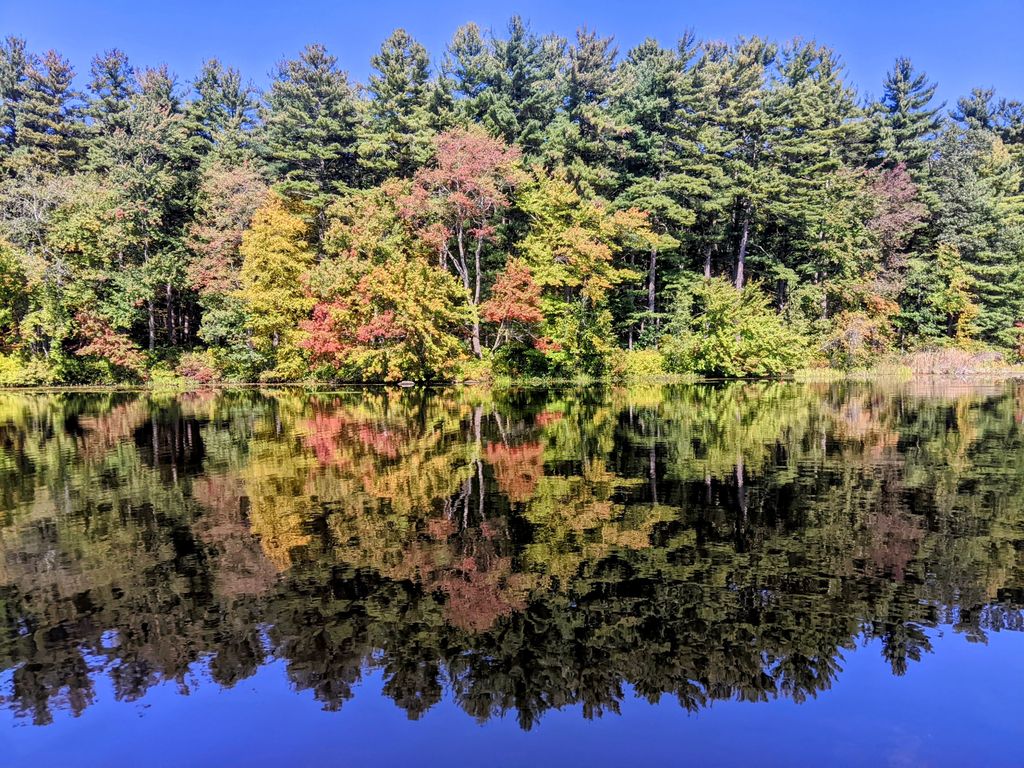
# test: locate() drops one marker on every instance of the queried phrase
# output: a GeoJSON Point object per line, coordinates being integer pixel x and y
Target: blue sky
{"type": "Point", "coordinates": [959, 44]}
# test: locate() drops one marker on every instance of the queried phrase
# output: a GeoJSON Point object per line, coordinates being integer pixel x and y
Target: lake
{"type": "Point", "coordinates": [716, 574]}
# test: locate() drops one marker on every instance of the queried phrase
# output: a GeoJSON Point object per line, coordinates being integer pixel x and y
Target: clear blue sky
{"type": "Point", "coordinates": [960, 44]}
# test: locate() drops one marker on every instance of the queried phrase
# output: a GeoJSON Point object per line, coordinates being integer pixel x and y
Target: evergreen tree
{"type": "Point", "coordinates": [660, 174]}
{"type": "Point", "coordinates": [977, 111]}
{"type": "Point", "coordinates": [467, 68]}
{"type": "Point", "coordinates": [981, 216]}
{"type": "Point", "coordinates": [739, 85]}
{"type": "Point", "coordinates": [817, 228]}
{"type": "Point", "coordinates": [47, 124]}
{"type": "Point", "coordinates": [311, 125]}
{"type": "Point", "coordinates": [398, 131]}
{"type": "Point", "coordinates": [225, 114]}
{"type": "Point", "coordinates": [582, 138]}
{"type": "Point", "coordinates": [523, 86]}
{"type": "Point", "coordinates": [13, 81]}
{"type": "Point", "coordinates": [111, 86]}
{"type": "Point", "coordinates": [905, 119]}
{"type": "Point", "coordinates": [152, 172]}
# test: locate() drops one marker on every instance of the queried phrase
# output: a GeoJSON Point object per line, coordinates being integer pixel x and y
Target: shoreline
{"type": "Point", "coordinates": [803, 376]}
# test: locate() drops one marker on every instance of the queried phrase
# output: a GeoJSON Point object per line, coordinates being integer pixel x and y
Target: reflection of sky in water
{"type": "Point", "coordinates": [960, 706]}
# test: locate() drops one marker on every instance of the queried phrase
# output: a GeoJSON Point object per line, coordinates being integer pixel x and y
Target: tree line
{"type": "Point", "coordinates": [526, 205]}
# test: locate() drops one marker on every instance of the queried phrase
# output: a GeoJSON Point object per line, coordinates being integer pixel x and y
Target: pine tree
{"type": "Point", "coordinates": [311, 125]}
{"type": "Point", "coordinates": [397, 133]}
{"type": "Point", "coordinates": [905, 120]}
{"type": "Point", "coordinates": [224, 114]}
{"type": "Point", "coordinates": [13, 81]}
{"type": "Point", "coordinates": [111, 87]}
{"type": "Point", "coordinates": [524, 86]}
{"type": "Point", "coordinates": [48, 124]}
{"type": "Point", "coordinates": [818, 232]}
{"type": "Point", "coordinates": [152, 172]}
{"type": "Point", "coordinates": [657, 105]}
{"type": "Point", "coordinates": [582, 138]}
{"type": "Point", "coordinates": [977, 111]}
{"type": "Point", "coordinates": [738, 83]}
{"type": "Point", "coordinates": [981, 215]}
{"type": "Point", "coordinates": [467, 68]}
{"type": "Point", "coordinates": [711, 141]}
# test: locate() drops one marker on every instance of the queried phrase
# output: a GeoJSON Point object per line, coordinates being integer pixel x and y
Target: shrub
{"type": "Point", "coordinates": [857, 340]}
{"type": "Point", "coordinates": [199, 368]}
{"type": "Point", "coordinates": [719, 330]}
{"type": "Point", "coordinates": [476, 369]}
{"type": "Point", "coordinates": [16, 372]}
{"type": "Point", "coordinates": [636, 364]}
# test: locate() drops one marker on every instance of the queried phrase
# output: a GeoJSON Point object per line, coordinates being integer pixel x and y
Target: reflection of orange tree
{"type": "Point", "coordinates": [405, 484]}
{"type": "Point", "coordinates": [243, 569]}
{"type": "Point", "coordinates": [517, 468]}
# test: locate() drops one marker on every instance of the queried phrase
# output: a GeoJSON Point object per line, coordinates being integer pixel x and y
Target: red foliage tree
{"type": "Point", "coordinates": [898, 211]}
{"type": "Point", "coordinates": [101, 340]}
{"type": "Point", "coordinates": [514, 305]}
{"type": "Point", "coordinates": [455, 203]}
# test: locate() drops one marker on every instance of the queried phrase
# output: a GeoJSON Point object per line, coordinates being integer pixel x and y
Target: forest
{"type": "Point", "coordinates": [521, 205]}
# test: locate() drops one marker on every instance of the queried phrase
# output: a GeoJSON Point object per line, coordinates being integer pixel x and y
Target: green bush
{"type": "Point", "coordinates": [636, 364]}
{"type": "Point", "coordinates": [16, 372]}
{"type": "Point", "coordinates": [857, 340]}
{"type": "Point", "coordinates": [476, 369]}
{"type": "Point", "coordinates": [719, 330]}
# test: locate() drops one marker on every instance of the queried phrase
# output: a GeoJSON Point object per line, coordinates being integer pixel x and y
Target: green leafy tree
{"type": "Point", "coordinates": [720, 330]}
{"type": "Point", "coordinates": [573, 250]}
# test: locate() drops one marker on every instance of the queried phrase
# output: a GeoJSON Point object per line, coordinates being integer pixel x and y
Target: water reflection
{"type": "Point", "coordinates": [519, 551]}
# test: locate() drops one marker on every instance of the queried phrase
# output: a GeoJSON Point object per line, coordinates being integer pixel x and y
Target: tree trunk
{"type": "Point", "coordinates": [741, 254]}
{"type": "Point", "coordinates": [152, 326]}
{"type": "Point", "coordinates": [477, 349]}
{"type": "Point", "coordinates": [707, 261]}
{"type": "Point", "coordinates": [652, 472]}
{"type": "Point", "coordinates": [652, 283]}
{"type": "Point", "coordinates": [171, 332]}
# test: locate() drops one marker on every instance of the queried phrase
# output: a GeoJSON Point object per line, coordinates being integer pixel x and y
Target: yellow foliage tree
{"type": "Point", "coordinates": [275, 258]}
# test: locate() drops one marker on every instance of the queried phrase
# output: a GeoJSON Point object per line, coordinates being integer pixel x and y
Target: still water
{"type": "Point", "coordinates": [747, 573]}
